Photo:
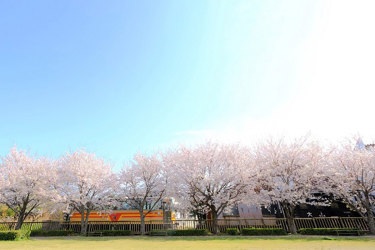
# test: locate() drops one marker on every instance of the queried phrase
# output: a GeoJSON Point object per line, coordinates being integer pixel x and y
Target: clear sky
{"type": "Point", "coordinates": [120, 77]}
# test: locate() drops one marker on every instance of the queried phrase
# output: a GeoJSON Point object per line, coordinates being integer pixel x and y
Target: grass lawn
{"type": "Point", "coordinates": [206, 243]}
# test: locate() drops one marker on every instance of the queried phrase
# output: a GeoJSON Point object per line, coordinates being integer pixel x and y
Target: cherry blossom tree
{"type": "Point", "coordinates": [351, 177]}
{"type": "Point", "coordinates": [288, 173]}
{"type": "Point", "coordinates": [26, 183]}
{"type": "Point", "coordinates": [143, 185]}
{"type": "Point", "coordinates": [86, 183]}
{"type": "Point", "coordinates": [209, 177]}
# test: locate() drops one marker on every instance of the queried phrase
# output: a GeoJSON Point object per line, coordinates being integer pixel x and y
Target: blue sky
{"type": "Point", "coordinates": [120, 77]}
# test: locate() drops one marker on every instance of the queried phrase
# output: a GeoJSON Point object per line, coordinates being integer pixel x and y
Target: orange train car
{"type": "Point", "coordinates": [128, 213]}
{"type": "Point", "coordinates": [125, 216]}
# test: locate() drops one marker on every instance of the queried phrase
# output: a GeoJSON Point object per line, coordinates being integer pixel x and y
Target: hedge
{"type": "Point", "coordinates": [40, 232]}
{"type": "Point", "coordinates": [14, 235]}
{"type": "Point", "coordinates": [185, 232]}
{"type": "Point", "coordinates": [191, 232]}
{"type": "Point", "coordinates": [162, 232]}
{"type": "Point", "coordinates": [329, 231]}
{"type": "Point", "coordinates": [263, 231]}
{"type": "Point", "coordinates": [232, 231]}
{"type": "Point", "coordinates": [116, 232]}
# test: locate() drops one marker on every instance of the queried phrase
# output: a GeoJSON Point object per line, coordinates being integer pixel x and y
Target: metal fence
{"type": "Point", "coordinates": [4, 226]}
{"type": "Point", "coordinates": [332, 222]}
{"type": "Point", "coordinates": [222, 225]}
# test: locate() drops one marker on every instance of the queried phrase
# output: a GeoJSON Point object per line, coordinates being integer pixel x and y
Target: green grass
{"type": "Point", "coordinates": [206, 243]}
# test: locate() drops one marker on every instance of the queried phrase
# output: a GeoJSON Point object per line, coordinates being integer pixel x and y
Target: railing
{"type": "Point", "coordinates": [222, 224]}
{"type": "Point", "coordinates": [47, 225]}
{"type": "Point", "coordinates": [331, 222]}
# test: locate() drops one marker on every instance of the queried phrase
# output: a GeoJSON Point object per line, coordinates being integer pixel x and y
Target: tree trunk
{"type": "Point", "coordinates": [87, 220]}
{"type": "Point", "coordinates": [23, 214]}
{"type": "Point", "coordinates": [20, 220]}
{"type": "Point", "coordinates": [84, 221]}
{"type": "Point", "coordinates": [369, 216]}
{"type": "Point", "coordinates": [289, 212]}
{"type": "Point", "coordinates": [21, 217]}
{"type": "Point", "coordinates": [215, 227]}
{"type": "Point", "coordinates": [370, 221]}
{"type": "Point", "coordinates": [143, 229]}
{"type": "Point", "coordinates": [83, 230]}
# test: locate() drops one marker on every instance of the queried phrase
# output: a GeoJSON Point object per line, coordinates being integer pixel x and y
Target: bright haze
{"type": "Point", "coordinates": [120, 77]}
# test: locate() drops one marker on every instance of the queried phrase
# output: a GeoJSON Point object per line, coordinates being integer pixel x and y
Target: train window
{"type": "Point", "coordinates": [126, 206]}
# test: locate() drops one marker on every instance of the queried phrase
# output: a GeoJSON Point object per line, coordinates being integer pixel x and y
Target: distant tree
{"type": "Point", "coordinates": [351, 177]}
{"type": "Point", "coordinates": [288, 173]}
{"type": "Point", "coordinates": [86, 183]}
{"type": "Point", "coordinates": [143, 185]}
{"type": "Point", "coordinates": [209, 177]}
{"type": "Point", "coordinates": [6, 213]}
{"type": "Point", "coordinates": [26, 184]}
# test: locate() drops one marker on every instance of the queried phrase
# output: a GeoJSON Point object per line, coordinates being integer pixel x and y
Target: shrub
{"type": "Point", "coordinates": [116, 232]}
{"type": "Point", "coordinates": [185, 232]}
{"type": "Point", "coordinates": [162, 232]}
{"type": "Point", "coordinates": [330, 231]}
{"type": "Point", "coordinates": [191, 232]}
{"type": "Point", "coordinates": [25, 234]}
{"type": "Point", "coordinates": [232, 231]}
{"type": "Point", "coordinates": [40, 232]}
{"type": "Point", "coordinates": [9, 235]}
{"type": "Point", "coordinates": [263, 231]}
{"type": "Point", "coordinates": [14, 235]}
